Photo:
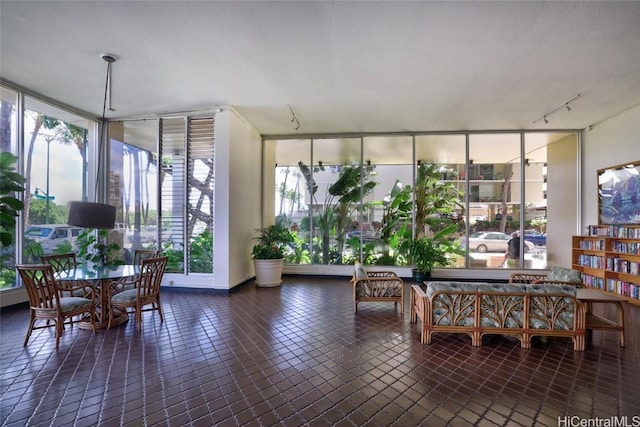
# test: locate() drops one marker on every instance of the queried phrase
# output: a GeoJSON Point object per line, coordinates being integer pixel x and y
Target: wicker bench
{"type": "Point", "coordinates": [477, 309]}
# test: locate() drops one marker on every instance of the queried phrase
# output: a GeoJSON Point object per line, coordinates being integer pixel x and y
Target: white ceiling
{"type": "Point", "coordinates": [387, 66]}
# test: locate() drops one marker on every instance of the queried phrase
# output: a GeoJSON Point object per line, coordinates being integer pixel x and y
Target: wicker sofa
{"type": "Point", "coordinates": [377, 286]}
{"type": "Point", "coordinates": [477, 309]}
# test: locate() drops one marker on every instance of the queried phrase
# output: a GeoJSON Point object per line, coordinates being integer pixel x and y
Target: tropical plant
{"type": "Point", "coordinates": [299, 251]}
{"type": "Point", "coordinates": [434, 197]}
{"type": "Point", "coordinates": [93, 249]}
{"type": "Point", "coordinates": [341, 200]}
{"type": "Point", "coordinates": [11, 182]}
{"type": "Point", "coordinates": [272, 242]}
{"type": "Point", "coordinates": [426, 253]}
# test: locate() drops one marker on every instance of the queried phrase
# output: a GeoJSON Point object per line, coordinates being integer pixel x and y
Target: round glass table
{"type": "Point", "coordinates": [100, 279]}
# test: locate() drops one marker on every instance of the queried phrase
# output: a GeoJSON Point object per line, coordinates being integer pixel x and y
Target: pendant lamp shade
{"type": "Point", "coordinates": [92, 215]}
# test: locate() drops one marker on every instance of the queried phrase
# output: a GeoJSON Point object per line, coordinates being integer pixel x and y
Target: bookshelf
{"type": "Point", "coordinates": [609, 259]}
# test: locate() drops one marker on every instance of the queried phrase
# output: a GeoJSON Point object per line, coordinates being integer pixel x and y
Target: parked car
{"type": "Point", "coordinates": [491, 241]}
{"type": "Point", "coordinates": [50, 236]}
{"type": "Point", "coordinates": [535, 237]}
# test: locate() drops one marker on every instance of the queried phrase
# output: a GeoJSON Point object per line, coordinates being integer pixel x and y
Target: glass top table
{"type": "Point", "coordinates": [100, 279]}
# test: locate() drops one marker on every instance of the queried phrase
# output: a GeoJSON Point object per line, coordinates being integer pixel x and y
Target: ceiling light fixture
{"type": "Point", "coordinates": [565, 104]}
{"type": "Point", "coordinates": [92, 214]}
{"type": "Point", "coordinates": [294, 117]}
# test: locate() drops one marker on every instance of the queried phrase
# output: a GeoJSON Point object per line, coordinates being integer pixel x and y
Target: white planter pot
{"type": "Point", "coordinates": [268, 272]}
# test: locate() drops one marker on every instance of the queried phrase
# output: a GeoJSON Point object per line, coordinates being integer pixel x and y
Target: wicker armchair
{"type": "Point", "coordinates": [46, 302]}
{"type": "Point", "coordinates": [63, 262]}
{"type": "Point", "coordinates": [377, 286]}
{"type": "Point", "coordinates": [142, 291]}
{"type": "Point", "coordinates": [140, 254]}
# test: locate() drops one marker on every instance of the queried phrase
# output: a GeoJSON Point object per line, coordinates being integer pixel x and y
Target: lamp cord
{"type": "Point", "coordinates": [102, 129]}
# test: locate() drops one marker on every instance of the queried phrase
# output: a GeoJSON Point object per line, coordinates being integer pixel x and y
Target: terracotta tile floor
{"type": "Point", "coordinates": [297, 355]}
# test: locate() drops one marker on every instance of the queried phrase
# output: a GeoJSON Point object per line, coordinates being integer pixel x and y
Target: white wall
{"type": "Point", "coordinates": [242, 200]}
{"type": "Point", "coordinates": [611, 142]}
{"type": "Point", "coordinates": [562, 200]}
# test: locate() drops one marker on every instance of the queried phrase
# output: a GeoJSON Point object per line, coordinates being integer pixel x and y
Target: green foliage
{"type": "Point", "coordinates": [434, 197]}
{"type": "Point", "coordinates": [201, 253]}
{"type": "Point", "coordinates": [299, 253]}
{"type": "Point", "coordinates": [37, 212]}
{"type": "Point", "coordinates": [272, 242]}
{"type": "Point", "coordinates": [341, 201]}
{"type": "Point", "coordinates": [92, 249]}
{"type": "Point", "coordinates": [11, 182]}
{"type": "Point", "coordinates": [426, 253]}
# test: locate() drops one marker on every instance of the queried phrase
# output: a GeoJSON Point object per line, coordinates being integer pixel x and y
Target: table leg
{"type": "Point", "coordinates": [102, 308]}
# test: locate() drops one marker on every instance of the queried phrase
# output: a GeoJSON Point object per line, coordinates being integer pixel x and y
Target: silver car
{"type": "Point", "coordinates": [491, 241]}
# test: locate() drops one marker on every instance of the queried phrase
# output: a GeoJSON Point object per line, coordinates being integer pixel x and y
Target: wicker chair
{"type": "Point", "coordinates": [377, 286]}
{"type": "Point", "coordinates": [140, 254]}
{"type": "Point", "coordinates": [556, 276]}
{"type": "Point", "coordinates": [46, 302]}
{"type": "Point", "coordinates": [67, 261]}
{"type": "Point", "coordinates": [140, 292]}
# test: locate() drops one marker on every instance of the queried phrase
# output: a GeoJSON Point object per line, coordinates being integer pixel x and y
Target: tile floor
{"type": "Point", "coordinates": [297, 355]}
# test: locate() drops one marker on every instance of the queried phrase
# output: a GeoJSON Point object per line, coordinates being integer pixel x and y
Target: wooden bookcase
{"type": "Point", "coordinates": [609, 259]}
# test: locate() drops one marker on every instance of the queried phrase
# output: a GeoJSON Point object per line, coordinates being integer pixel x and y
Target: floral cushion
{"type": "Point", "coordinates": [125, 296]}
{"type": "Point", "coordinates": [564, 274]}
{"type": "Point", "coordinates": [360, 272]}
{"type": "Point", "coordinates": [74, 303]}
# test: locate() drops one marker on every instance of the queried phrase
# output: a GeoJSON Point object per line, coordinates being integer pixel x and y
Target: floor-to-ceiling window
{"type": "Point", "coordinates": [56, 162]}
{"type": "Point", "coordinates": [54, 149]}
{"type": "Point", "coordinates": [500, 180]}
{"type": "Point", "coordinates": [8, 144]}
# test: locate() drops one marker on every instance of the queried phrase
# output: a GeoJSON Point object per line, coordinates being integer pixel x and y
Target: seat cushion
{"type": "Point", "coordinates": [360, 272]}
{"type": "Point", "coordinates": [564, 274]}
{"type": "Point", "coordinates": [74, 303]}
{"type": "Point", "coordinates": [125, 296]}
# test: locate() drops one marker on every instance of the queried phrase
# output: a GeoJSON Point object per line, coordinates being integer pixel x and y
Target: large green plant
{"type": "Point", "coordinates": [11, 182]}
{"type": "Point", "coordinates": [93, 249]}
{"type": "Point", "coordinates": [341, 200]}
{"type": "Point", "coordinates": [426, 253]}
{"type": "Point", "coordinates": [434, 197]}
{"type": "Point", "coordinates": [272, 242]}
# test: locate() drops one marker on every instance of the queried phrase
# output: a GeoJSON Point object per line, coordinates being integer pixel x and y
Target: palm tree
{"type": "Point", "coordinates": [340, 202]}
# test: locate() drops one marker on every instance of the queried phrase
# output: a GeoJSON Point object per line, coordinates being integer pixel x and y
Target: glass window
{"type": "Point", "coordinates": [55, 159]}
{"type": "Point", "coordinates": [291, 199]}
{"type": "Point", "coordinates": [8, 144]}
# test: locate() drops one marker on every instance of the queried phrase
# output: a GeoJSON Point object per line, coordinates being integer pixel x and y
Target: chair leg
{"type": "Point", "coordinates": [59, 324]}
{"type": "Point", "coordinates": [139, 318]}
{"type": "Point", "coordinates": [31, 324]}
{"type": "Point", "coordinates": [160, 311]}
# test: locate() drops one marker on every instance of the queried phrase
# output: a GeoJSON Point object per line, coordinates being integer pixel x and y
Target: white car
{"type": "Point", "coordinates": [50, 236]}
{"type": "Point", "coordinates": [491, 241]}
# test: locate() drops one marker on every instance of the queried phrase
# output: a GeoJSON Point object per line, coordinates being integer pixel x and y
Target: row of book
{"type": "Point", "coordinates": [620, 265]}
{"type": "Point", "coordinates": [593, 281]}
{"type": "Point", "coordinates": [592, 261]}
{"type": "Point", "coordinates": [627, 232]}
{"type": "Point", "coordinates": [592, 245]}
{"type": "Point", "coordinates": [627, 248]}
{"type": "Point", "coordinates": [626, 289]}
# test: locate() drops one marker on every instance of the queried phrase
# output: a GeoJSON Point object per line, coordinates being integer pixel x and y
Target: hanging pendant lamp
{"type": "Point", "coordinates": [93, 214]}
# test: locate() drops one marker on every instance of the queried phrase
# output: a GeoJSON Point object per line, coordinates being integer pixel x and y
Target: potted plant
{"type": "Point", "coordinates": [426, 253]}
{"type": "Point", "coordinates": [268, 254]}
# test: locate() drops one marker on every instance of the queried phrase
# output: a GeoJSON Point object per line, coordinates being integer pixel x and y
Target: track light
{"type": "Point", "coordinates": [294, 118]}
{"type": "Point", "coordinates": [565, 104]}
